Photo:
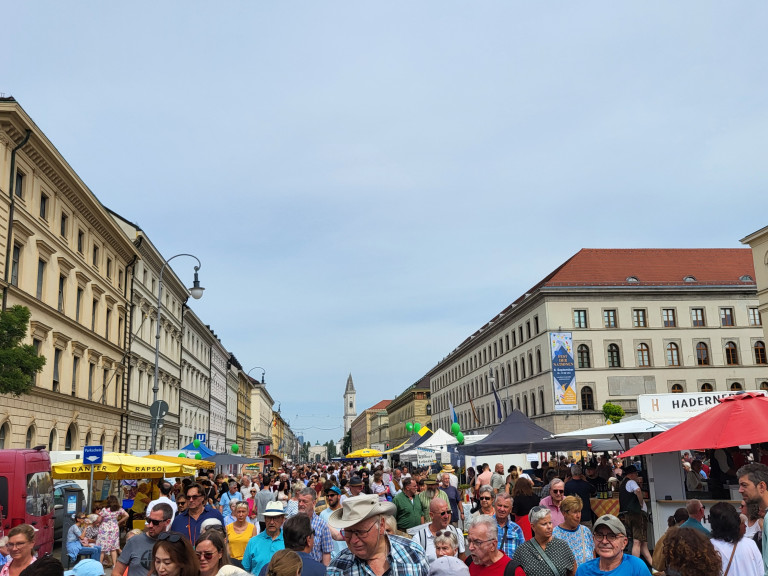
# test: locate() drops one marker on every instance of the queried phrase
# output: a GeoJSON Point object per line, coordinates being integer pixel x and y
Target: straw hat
{"type": "Point", "coordinates": [449, 469]}
{"type": "Point", "coordinates": [358, 508]}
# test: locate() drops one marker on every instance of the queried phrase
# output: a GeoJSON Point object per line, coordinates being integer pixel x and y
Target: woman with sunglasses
{"type": "Point", "coordinates": [173, 555]}
{"type": "Point", "coordinates": [211, 549]}
{"type": "Point", "coordinates": [239, 532]}
{"type": "Point", "coordinates": [21, 547]}
{"type": "Point", "coordinates": [485, 497]}
{"type": "Point", "coordinates": [77, 543]}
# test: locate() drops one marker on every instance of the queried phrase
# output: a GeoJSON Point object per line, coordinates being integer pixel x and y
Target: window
{"type": "Point", "coordinates": [754, 317]}
{"type": "Point", "coordinates": [702, 354]}
{"type": "Point", "coordinates": [582, 353]}
{"type": "Point", "coordinates": [673, 354]}
{"type": "Point", "coordinates": [697, 317]}
{"type": "Point", "coordinates": [95, 256]}
{"type": "Point", "coordinates": [107, 322]}
{"type": "Point", "coordinates": [120, 286]}
{"type": "Point", "coordinates": [587, 398]}
{"type": "Point", "coordinates": [93, 314]}
{"type": "Point", "coordinates": [731, 354]}
{"type": "Point", "coordinates": [735, 387]}
{"type": "Point", "coordinates": [91, 368]}
{"type": "Point", "coordinates": [104, 383]}
{"type": "Point", "coordinates": [63, 225]}
{"type": "Point", "coordinates": [535, 324]}
{"type": "Point", "coordinates": [638, 318]}
{"type": "Point", "coordinates": [760, 353]}
{"type": "Point", "coordinates": [78, 303]}
{"type": "Point", "coordinates": [528, 336]}
{"type": "Point", "coordinates": [726, 317]}
{"type": "Point", "coordinates": [40, 279]}
{"type": "Point", "coordinates": [56, 362]}
{"type": "Point", "coordinates": [75, 366]}
{"type": "Point", "coordinates": [80, 241]}
{"type": "Point", "coordinates": [30, 440]}
{"type": "Point", "coordinates": [15, 264]}
{"type": "Point", "coordinates": [36, 345]}
{"type": "Point", "coordinates": [520, 333]}
{"type": "Point", "coordinates": [579, 318]}
{"type": "Point", "coordinates": [677, 389]}
{"type": "Point", "coordinates": [43, 206]}
{"type": "Point", "coordinates": [763, 386]}
{"type": "Point", "coordinates": [707, 387]}
{"type": "Point", "coordinates": [62, 283]}
{"type": "Point", "coordinates": [614, 361]}
{"type": "Point", "coordinates": [19, 188]}
{"type": "Point", "coordinates": [609, 318]}
{"type": "Point", "coordinates": [538, 361]}
{"type": "Point", "coordinates": [643, 355]}
{"type": "Point", "coordinates": [109, 268]}
{"type": "Point", "coordinates": [668, 317]}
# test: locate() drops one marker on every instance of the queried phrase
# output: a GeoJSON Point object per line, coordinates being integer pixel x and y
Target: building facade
{"type": "Point", "coordinates": [412, 405]}
{"type": "Point", "coordinates": [758, 241]}
{"type": "Point", "coordinates": [233, 387]}
{"type": "Point", "coordinates": [261, 418]}
{"type": "Point", "coordinates": [641, 321]}
{"type": "Point", "coordinates": [70, 264]}
{"type": "Point", "coordinates": [194, 400]}
{"type": "Point", "coordinates": [367, 421]}
{"type": "Point", "coordinates": [244, 413]}
{"type": "Point", "coordinates": [217, 435]}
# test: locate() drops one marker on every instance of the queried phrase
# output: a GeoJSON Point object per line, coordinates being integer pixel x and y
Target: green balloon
{"type": "Point", "coordinates": [196, 443]}
{"type": "Point", "coordinates": [460, 437]}
{"type": "Point", "coordinates": [455, 428]}
{"type": "Point", "coordinates": [417, 426]}
{"type": "Point", "coordinates": [409, 427]}
{"type": "Point", "coordinates": [235, 448]}
{"type": "Point", "coordinates": [198, 456]}
{"type": "Point", "coordinates": [182, 455]}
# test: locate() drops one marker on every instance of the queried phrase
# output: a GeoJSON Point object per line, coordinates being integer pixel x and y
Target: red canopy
{"type": "Point", "coordinates": [737, 420]}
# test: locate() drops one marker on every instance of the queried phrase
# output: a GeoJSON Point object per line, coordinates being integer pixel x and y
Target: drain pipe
{"type": "Point", "coordinates": [9, 245]}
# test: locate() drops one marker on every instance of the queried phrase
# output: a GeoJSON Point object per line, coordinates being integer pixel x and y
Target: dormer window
{"type": "Point", "coordinates": [632, 279]}
{"type": "Point", "coordinates": [746, 278]}
{"type": "Point", "coordinates": [689, 279]}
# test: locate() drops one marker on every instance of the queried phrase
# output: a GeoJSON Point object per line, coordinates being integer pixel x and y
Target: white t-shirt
{"type": "Point", "coordinates": [747, 561]}
{"type": "Point", "coordinates": [427, 540]}
{"type": "Point", "coordinates": [632, 486]}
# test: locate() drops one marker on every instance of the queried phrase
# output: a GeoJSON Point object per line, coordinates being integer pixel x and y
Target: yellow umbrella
{"type": "Point", "coordinates": [364, 453]}
{"type": "Point", "coordinates": [119, 466]}
{"type": "Point", "coordinates": [184, 461]}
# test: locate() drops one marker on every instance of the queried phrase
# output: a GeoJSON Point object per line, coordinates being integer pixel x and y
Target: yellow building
{"type": "Point", "coordinates": [365, 423]}
{"type": "Point", "coordinates": [758, 241]}
{"type": "Point", "coordinates": [412, 405]}
{"type": "Point", "coordinates": [70, 264]}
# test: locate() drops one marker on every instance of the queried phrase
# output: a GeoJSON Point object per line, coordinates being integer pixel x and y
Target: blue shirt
{"type": "Point", "coordinates": [510, 537]}
{"type": "Point", "coordinates": [188, 527]}
{"type": "Point", "coordinates": [696, 525]}
{"type": "Point", "coordinates": [338, 545]}
{"type": "Point", "coordinates": [630, 566]}
{"type": "Point", "coordinates": [260, 550]}
{"type": "Point", "coordinates": [226, 500]}
{"type": "Point", "coordinates": [405, 557]}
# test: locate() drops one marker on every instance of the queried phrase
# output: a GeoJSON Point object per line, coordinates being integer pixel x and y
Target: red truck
{"type": "Point", "coordinates": [26, 494]}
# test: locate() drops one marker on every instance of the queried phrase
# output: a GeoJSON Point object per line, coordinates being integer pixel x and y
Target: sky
{"type": "Point", "coordinates": [368, 183]}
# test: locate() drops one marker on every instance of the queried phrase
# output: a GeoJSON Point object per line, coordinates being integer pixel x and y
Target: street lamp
{"type": "Point", "coordinates": [158, 410]}
{"type": "Point", "coordinates": [262, 372]}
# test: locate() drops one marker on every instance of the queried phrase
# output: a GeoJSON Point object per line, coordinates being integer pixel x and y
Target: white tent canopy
{"type": "Point", "coordinates": [633, 425]}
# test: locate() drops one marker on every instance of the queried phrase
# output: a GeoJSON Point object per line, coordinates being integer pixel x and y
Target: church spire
{"type": "Point", "coordinates": [350, 385]}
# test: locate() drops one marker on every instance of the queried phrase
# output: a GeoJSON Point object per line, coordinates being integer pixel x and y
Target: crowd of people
{"type": "Point", "coordinates": [350, 520]}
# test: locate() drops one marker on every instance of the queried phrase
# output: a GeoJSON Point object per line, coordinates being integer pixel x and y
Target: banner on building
{"type": "Point", "coordinates": [563, 371]}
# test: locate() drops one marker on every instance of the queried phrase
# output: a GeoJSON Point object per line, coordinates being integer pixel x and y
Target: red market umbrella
{"type": "Point", "coordinates": [736, 421]}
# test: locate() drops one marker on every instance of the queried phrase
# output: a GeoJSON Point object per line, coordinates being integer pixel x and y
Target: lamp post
{"type": "Point", "coordinates": [262, 372]}
{"type": "Point", "coordinates": [492, 382]}
{"type": "Point", "coordinates": [157, 410]}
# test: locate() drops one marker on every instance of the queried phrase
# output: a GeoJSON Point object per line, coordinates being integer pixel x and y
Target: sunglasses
{"type": "Point", "coordinates": [557, 491]}
{"type": "Point", "coordinates": [206, 555]}
{"type": "Point", "coordinates": [485, 498]}
{"type": "Point", "coordinates": [445, 513]}
{"type": "Point", "coordinates": [154, 522]}
{"type": "Point", "coordinates": [170, 536]}
{"type": "Point", "coordinates": [194, 496]}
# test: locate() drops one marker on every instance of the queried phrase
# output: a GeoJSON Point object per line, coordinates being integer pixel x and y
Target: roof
{"type": "Point", "coordinates": [380, 405]}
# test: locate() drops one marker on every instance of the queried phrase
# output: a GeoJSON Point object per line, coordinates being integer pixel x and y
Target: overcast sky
{"type": "Point", "coordinates": [367, 183]}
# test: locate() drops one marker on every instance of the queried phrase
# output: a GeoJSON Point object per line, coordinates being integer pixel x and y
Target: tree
{"type": "Point", "coordinates": [305, 451]}
{"type": "Point", "coordinates": [346, 445]}
{"type": "Point", "coordinates": [331, 446]}
{"type": "Point", "coordinates": [613, 412]}
{"type": "Point", "coordinates": [18, 362]}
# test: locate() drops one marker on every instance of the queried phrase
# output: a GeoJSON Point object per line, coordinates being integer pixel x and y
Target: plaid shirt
{"type": "Point", "coordinates": [510, 537]}
{"type": "Point", "coordinates": [405, 558]}
{"type": "Point", "coordinates": [323, 540]}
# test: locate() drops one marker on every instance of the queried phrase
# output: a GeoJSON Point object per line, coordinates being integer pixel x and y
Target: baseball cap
{"type": "Point", "coordinates": [86, 567]}
{"type": "Point", "coordinates": [614, 524]}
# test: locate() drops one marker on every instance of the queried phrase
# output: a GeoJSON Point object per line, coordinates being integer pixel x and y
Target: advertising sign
{"type": "Point", "coordinates": [563, 371]}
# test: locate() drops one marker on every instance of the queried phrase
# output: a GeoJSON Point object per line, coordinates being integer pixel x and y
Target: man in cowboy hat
{"type": "Point", "coordinates": [262, 547]}
{"type": "Point", "coordinates": [362, 520]}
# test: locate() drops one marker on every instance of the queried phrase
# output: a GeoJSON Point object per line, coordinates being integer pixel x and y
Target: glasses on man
{"type": "Point", "coordinates": [445, 513]}
{"type": "Point", "coordinates": [475, 543]}
{"type": "Point", "coordinates": [609, 536]}
{"type": "Point", "coordinates": [348, 534]}
{"type": "Point", "coordinates": [557, 491]}
{"type": "Point", "coordinates": [154, 522]}
{"type": "Point", "coordinates": [194, 496]}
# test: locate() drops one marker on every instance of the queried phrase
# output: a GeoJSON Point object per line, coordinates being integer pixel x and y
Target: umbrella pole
{"type": "Point", "coordinates": [90, 492]}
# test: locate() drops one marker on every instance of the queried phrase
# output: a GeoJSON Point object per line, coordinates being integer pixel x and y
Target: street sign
{"type": "Point", "coordinates": [93, 454]}
{"type": "Point", "coordinates": [159, 409]}
{"type": "Point", "coordinates": [200, 436]}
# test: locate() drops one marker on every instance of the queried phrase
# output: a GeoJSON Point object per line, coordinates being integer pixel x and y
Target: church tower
{"type": "Point", "coordinates": [350, 411]}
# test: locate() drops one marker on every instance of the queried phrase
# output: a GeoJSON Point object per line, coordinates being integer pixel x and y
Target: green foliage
{"type": "Point", "coordinates": [331, 445]}
{"type": "Point", "coordinates": [346, 445]}
{"type": "Point", "coordinates": [613, 412]}
{"type": "Point", "coordinates": [18, 362]}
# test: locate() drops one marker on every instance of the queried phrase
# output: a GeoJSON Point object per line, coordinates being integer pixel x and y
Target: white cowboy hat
{"type": "Point", "coordinates": [358, 508]}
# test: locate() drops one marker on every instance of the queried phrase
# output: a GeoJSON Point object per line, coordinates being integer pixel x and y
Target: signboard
{"type": "Point", "coordinates": [677, 407]}
{"type": "Point", "coordinates": [424, 456]}
{"type": "Point", "coordinates": [71, 503]}
{"type": "Point", "coordinates": [93, 454]}
{"type": "Point", "coordinates": [563, 371]}
{"type": "Point", "coordinates": [201, 436]}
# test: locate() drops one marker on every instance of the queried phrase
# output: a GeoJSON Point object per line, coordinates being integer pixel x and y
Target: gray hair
{"type": "Point", "coordinates": [485, 488]}
{"type": "Point", "coordinates": [575, 470]}
{"type": "Point", "coordinates": [298, 489]}
{"type": "Point", "coordinates": [537, 513]}
{"type": "Point", "coordinates": [4, 541]}
{"type": "Point", "coordinates": [165, 509]}
{"type": "Point", "coordinates": [447, 537]}
{"type": "Point", "coordinates": [309, 492]}
{"type": "Point", "coordinates": [489, 522]}
{"type": "Point", "coordinates": [554, 482]}
{"type": "Point", "coordinates": [502, 496]}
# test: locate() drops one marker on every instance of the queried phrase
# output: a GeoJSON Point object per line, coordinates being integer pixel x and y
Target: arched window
{"type": "Point", "coordinates": [702, 354]}
{"type": "Point", "coordinates": [541, 402]}
{"type": "Point", "coordinates": [614, 361]}
{"type": "Point", "coordinates": [538, 361]}
{"type": "Point", "coordinates": [70, 440]}
{"type": "Point", "coordinates": [30, 440]}
{"type": "Point", "coordinates": [88, 438]}
{"type": "Point", "coordinates": [760, 353]}
{"type": "Point", "coordinates": [5, 436]}
{"type": "Point", "coordinates": [731, 354]}
{"type": "Point", "coordinates": [518, 403]}
{"type": "Point", "coordinates": [53, 442]}
{"type": "Point", "coordinates": [587, 398]}
{"type": "Point", "coordinates": [677, 389]}
{"type": "Point", "coordinates": [517, 377]}
{"type": "Point", "coordinates": [525, 404]}
{"type": "Point", "coordinates": [533, 404]}
{"type": "Point", "coordinates": [643, 355]}
{"type": "Point", "coordinates": [103, 440]}
{"type": "Point", "coordinates": [673, 354]}
{"type": "Point", "coordinates": [530, 364]}
{"type": "Point", "coordinates": [736, 387]}
{"type": "Point", "coordinates": [582, 353]}
{"type": "Point", "coordinates": [706, 387]}
{"type": "Point", "coordinates": [763, 386]}
{"type": "Point", "coordinates": [522, 366]}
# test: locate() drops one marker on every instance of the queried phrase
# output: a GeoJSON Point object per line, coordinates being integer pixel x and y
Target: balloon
{"type": "Point", "coordinates": [198, 456]}
{"type": "Point", "coordinates": [182, 455]}
{"type": "Point", "coordinates": [455, 428]}
{"type": "Point", "coordinates": [196, 443]}
{"type": "Point", "coordinates": [409, 427]}
{"type": "Point", "coordinates": [417, 426]}
{"type": "Point", "coordinates": [235, 448]}
{"type": "Point", "coordinates": [460, 437]}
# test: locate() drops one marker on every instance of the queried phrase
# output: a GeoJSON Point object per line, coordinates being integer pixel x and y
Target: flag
{"type": "Point", "coordinates": [498, 403]}
{"type": "Point", "coordinates": [453, 412]}
{"type": "Point", "coordinates": [474, 412]}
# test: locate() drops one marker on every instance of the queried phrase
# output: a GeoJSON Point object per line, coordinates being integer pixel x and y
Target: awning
{"type": "Point", "coordinates": [120, 466]}
{"type": "Point", "coordinates": [199, 464]}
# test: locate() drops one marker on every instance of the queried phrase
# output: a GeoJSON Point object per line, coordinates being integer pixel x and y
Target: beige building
{"type": "Point", "coordinates": [758, 241]}
{"type": "Point", "coordinates": [261, 417]}
{"type": "Point", "coordinates": [70, 264]}
{"type": "Point", "coordinates": [641, 321]}
{"type": "Point", "coordinates": [412, 405]}
{"type": "Point", "coordinates": [366, 422]}
{"type": "Point", "coordinates": [194, 400]}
